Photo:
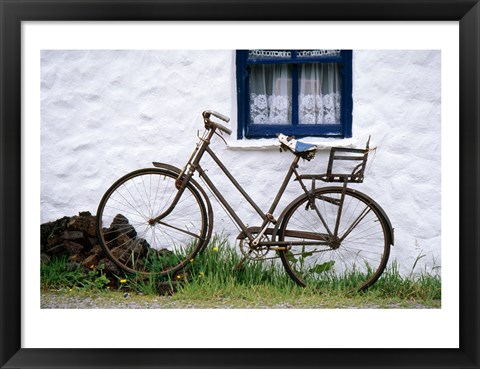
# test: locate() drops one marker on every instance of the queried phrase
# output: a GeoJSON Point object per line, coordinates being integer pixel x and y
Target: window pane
{"type": "Point", "coordinates": [271, 94]}
{"type": "Point", "coordinates": [317, 53]}
{"type": "Point", "coordinates": [269, 54]}
{"type": "Point", "coordinates": [319, 93]}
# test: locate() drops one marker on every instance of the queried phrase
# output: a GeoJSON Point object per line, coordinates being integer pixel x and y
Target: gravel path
{"type": "Point", "coordinates": [117, 300]}
{"type": "Point", "coordinates": [53, 300]}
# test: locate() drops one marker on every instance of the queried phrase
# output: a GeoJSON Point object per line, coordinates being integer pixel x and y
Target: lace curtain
{"type": "Point", "coordinates": [319, 94]}
{"type": "Point", "coordinates": [271, 94]}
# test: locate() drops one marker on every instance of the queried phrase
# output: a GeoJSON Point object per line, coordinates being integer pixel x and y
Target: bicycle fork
{"type": "Point", "coordinates": [185, 175]}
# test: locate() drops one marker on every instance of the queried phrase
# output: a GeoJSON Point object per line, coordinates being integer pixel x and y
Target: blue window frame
{"type": "Point", "coordinates": [294, 92]}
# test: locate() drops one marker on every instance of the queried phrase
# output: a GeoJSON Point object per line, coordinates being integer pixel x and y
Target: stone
{"type": "Point", "coordinates": [56, 250]}
{"type": "Point", "coordinates": [51, 230]}
{"type": "Point", "coordinates": [90, 261]}
{"type": "Point", "coordinates": [76, 259]}
{"type": "Point", "coordinates": [83, 223]}
{"type": "Point", "coordinates": [78, 237]}
{"type": "Point", "coordinates": [120, 225]}
{"type": "Point", "coordinates": [97, 250]}
{"type": "Point", "coordinates": [72, 235]}
{"type": "Point", "coordinates": [73, 248]}
{"type": "Point", "coordinates": [53, 241]}
{"type": "Point", "coordinates": [109, 267]}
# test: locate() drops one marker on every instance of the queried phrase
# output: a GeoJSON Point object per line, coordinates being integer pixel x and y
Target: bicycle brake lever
{"type": "Point", "coordinates": [219, 135]}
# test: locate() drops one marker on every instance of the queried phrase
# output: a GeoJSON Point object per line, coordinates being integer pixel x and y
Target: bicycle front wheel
{"type": "Point", "coordinates": [135, 239]}
{"type": "Point", "coordinates": [354, 256]}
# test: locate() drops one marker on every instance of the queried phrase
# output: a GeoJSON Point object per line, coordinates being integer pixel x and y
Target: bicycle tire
{"type": "Point", "coordinates": [135, 244]}
{"type": "Point", "coordinates": [359, 255]}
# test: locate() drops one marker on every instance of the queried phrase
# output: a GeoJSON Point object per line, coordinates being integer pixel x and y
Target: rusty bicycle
{"type": "Point", "coordinates": [155, 220]}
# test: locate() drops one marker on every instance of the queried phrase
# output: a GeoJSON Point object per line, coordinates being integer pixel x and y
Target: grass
{"type": "Point", "coordinates": [59, 274]}
{"type": "Point", "coordinates": [212, 279]}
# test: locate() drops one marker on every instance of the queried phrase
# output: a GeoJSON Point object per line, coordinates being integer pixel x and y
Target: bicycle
{"type": "Point", "coordinates": [156, 220]}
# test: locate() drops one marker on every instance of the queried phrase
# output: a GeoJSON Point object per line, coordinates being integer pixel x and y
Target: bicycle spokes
{"type": "Point", "coordinates": [134, 241]}
{"type": "Point", "coordinates": [360, 246]}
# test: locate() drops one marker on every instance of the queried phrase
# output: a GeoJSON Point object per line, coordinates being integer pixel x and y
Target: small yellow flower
{"type": "Point", "coordinates": [70, 290]}
{"type": "Point", "coordinates": [215, 249]}
{"type": "Point", "coordinates": [179, 276]}
{"type": "Point", "coordinates": [123, 281]}
{"type": "Point", "coordinates": [191, 260]}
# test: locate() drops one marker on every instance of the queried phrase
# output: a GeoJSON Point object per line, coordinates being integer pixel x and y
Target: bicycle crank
{"type": "Point", "coordinates": [253, 252]}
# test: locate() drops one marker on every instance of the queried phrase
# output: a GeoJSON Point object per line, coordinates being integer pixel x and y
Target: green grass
{"type": "Point", "coordinates": [213, 279]}
{"type": "Point", "coordinates": [59, 274]}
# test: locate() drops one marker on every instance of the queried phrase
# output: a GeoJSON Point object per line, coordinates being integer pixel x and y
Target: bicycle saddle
{"type": "Point", "coordinates": [305, 150]}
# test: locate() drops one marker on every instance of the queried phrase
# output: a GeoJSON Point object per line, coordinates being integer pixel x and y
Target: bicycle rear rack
{"type": "Point", "coordinates": [338, 157]}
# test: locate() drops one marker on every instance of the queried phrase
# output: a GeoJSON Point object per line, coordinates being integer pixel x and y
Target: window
{"type": "Point", "coordinates": [294, 92]}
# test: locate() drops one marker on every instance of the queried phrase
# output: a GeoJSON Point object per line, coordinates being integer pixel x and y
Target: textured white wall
{"type": "Point", "coordinates": [105, 113]}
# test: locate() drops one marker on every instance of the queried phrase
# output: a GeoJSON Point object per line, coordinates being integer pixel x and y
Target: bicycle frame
{"type": "Point", "coordinates": [193, 165]}
{"type": "Point", "coordinates": [155, 221]}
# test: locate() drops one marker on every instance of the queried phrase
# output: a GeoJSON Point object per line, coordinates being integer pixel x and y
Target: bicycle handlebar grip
{"type": "Point", "coordinates": [222, 128]}
{"type": "Point", "coordinates": [207, 113]}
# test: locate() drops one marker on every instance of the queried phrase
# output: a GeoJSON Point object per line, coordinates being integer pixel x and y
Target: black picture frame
{"type": "Point", "coordinates": [466, 12]}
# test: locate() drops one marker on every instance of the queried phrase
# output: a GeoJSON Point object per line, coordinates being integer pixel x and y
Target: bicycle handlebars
{"type": "Point", "coordinates": [209, 123]}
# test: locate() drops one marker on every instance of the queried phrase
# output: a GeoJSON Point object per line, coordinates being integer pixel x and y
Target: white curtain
{"type": "Point", "coordinates": [271, 94]}
{"type": "Point", "coordinates": [319, 94]}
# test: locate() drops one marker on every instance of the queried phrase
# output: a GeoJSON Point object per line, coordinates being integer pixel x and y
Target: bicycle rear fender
{"type": "Point", "coordinates": [390, 232]}
{"type": "Point", "coordinates": [177, 171]}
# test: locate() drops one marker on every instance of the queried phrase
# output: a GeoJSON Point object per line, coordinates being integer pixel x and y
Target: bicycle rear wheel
{"type": "Point", "coordinates": [358, 255]}
{"type": "Point", "coordinates": [129, 234]}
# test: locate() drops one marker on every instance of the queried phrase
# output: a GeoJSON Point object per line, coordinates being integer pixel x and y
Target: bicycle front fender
{"type": "Point", "coordinates": [169, 167]}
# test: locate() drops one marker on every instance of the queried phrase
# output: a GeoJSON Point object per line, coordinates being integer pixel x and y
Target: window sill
{"type": "Point", "coordinates": [267, 144]}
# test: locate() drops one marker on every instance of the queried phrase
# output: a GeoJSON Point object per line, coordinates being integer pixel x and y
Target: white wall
{"type": "Point", "coordinates": [105, 113]}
